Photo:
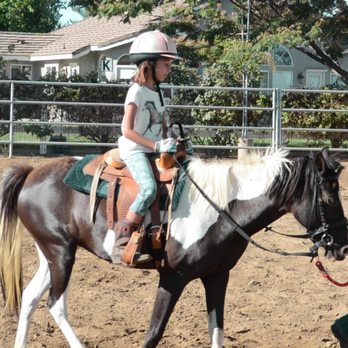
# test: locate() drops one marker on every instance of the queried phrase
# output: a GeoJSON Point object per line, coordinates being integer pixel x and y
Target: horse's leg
{"type": "Point", "coordinates": [61, 269]}
{"type": "Point", "coordinates": [30, 299]}
{"type": "Point", "coordinates": [215, 290]}
{"type": "Point", "coordinates": [168, 293]}
{"type": "Point", "coordinates": [60, 315]}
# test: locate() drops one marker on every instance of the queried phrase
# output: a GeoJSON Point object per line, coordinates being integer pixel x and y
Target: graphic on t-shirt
{"type": "Point", "coordinates": [154, 119]}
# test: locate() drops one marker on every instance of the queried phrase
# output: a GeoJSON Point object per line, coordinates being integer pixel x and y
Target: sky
{"type": "Point", "coordinates": [69, 15]}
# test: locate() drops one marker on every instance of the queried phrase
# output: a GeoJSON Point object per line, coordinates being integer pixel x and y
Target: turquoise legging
{"type": "Point", "coordinates": [140, 168]}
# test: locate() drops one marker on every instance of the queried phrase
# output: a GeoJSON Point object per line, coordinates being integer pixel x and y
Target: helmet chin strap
{"type": "Point", "coordinates": [153, 67]}
{"type": "Point", "coordinates": [159, 92]}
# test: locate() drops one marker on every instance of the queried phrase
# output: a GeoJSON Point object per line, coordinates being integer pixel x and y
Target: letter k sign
{"type": "Point", "coordinates": [106, 64]}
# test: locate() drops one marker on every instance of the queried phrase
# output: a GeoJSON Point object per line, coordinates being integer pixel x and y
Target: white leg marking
{"type": "Point", "coordinates": [30, 299]}
{"type": "Point", "coordinates": [109, 241]}
{"type": "Point", "coordinates": [60, 315]}
{"type": "Point", "coordinates": [218, 338]}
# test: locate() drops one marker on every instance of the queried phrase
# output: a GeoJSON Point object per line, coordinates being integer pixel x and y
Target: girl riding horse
{"type": "Point", "coordinates": [144, 126]}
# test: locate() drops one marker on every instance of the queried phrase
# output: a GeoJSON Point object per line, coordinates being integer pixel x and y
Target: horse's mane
{"type": "Point", "coordinates": [225, 180]}
{"type": "Point", "coordinates": [299, 184]}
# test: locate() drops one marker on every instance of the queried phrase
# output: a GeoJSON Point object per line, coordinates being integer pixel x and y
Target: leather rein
{"type": "Point", "coordinates": [321, 233]}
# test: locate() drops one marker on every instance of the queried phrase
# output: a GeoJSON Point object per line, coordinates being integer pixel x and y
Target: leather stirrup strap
{"type": "Point", "coordinates": [170, 203]}
{"type": "Point", "coordinates": [110, 202]}
{"type": "Point", "coordinates": [134, 245]}
{"type": "Point", "coordinates": [94, 187]}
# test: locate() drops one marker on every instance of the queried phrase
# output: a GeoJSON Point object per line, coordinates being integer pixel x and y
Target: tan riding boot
{"type": "Point", "coordinates": [127, 244]}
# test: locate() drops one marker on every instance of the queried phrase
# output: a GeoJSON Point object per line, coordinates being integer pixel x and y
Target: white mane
{"type": "Point", "coordinates": [247, 178]}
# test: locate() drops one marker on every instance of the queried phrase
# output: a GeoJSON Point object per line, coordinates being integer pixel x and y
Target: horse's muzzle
{"type": "Point", "coordinates": [336, 254]}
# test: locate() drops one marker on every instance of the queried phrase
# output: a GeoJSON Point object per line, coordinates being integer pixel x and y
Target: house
{"type": "Point", "coordinates": [293, 68]}
{"type": "Point", "coordinates": [93, 44]}
{"type": "Point", "coordinates": [101, 45]}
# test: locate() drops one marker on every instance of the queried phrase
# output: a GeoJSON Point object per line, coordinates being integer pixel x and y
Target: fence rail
{"type": "Point", "coordinates": [273, 130]}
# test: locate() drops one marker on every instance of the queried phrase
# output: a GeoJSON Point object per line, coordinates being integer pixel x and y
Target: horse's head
{"type": "Point", "coordinates": [324, 216]}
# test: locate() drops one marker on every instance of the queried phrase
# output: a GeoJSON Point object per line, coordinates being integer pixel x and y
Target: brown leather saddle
{"type": "Point", "coordinates": [111, 168]}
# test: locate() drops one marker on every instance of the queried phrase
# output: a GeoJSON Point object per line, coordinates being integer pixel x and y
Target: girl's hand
{"type": "Point", "coordinates": [165, 145]}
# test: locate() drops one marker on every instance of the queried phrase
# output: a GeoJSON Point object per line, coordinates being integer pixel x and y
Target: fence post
{"type": "Point", "coordinates": [10, 148]}
{"type": "Point", "coordinates": [276, 118]}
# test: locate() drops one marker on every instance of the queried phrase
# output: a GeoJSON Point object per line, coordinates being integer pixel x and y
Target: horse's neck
{"type": "Point", "coordinates": [284, 195]}
{"type": "Point", "coordinates": [256, 214]}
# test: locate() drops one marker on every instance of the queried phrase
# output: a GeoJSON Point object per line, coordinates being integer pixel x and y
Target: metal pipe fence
{"type": "Point", "coordinates": [20, 114]}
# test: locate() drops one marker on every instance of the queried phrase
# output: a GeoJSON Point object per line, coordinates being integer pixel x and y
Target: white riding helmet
{"type": "Point", "coordinates": [152, 45]}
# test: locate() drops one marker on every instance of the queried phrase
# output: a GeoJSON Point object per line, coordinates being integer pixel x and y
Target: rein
{"type": "Point", "coordinates": [303, 236]}
{"type": "Point", "coordinates": [227, 217]}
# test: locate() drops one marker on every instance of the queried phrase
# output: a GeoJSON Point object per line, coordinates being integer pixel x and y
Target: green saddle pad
{"type": "Point", "coordinates": [78, 180]}
{"type": "Point", "coordinates": [82, 182]}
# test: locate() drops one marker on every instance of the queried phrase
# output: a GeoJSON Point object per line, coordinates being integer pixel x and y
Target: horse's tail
{"type": "Point", "coordinates": [10, 237]}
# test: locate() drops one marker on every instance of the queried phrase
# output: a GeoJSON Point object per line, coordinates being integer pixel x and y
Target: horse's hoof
{"type": "Point", "coordinates": [116, 257]}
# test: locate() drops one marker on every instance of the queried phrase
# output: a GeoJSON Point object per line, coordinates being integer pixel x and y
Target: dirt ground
{"type": "Point", "coordinates": [272, 301]}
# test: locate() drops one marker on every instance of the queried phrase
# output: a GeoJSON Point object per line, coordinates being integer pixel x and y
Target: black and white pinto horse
{"type": "Point", "coordinates": [202, 243]}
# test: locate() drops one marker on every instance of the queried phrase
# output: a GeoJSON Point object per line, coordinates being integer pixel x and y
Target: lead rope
{"type": "Point", "coordinates": [226, 216]}
{"type": "Point", "coordinates": [326, 275]}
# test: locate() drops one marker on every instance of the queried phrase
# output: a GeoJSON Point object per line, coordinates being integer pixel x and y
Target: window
{"type": "Point", "coordinates": [264, 81]}
{"type": "Point", "coordinates": [19, 71]}
{"type": "Point", "coordinates": [336, 80]}
{"type": "Point", "coordinates": [281, 68]}
{"type": "Point", "coordinates": [282, 79]}
{"type": "Point", "coordinates": [51, 69]}
{"type": "Point", "coordinates": [124, 72]}
{"type": "Point", "coordinates": [71, 70]}
{"type": "Point", "coordinates": [124, 69]}
{"type": "Point", "coordinates": [315, 78]}
{"type": "Point", "coordinates": [282, 57]}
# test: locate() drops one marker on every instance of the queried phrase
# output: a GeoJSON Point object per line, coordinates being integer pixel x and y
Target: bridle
{"type": "Point", "coordinates": [320, 237]}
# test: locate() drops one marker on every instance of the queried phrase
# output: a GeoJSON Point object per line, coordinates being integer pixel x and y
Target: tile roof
{"type": "Point", "coordinates": [96, 32]}
{"type": "Point", "coordinates": [14, 44]}
{"type": "Point", "coordinates": [93, 31]}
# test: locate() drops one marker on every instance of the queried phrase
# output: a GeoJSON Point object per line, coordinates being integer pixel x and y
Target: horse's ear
{"type": "Point", "coordinates": [325, 152]}
{"type": "Point", "coordinates": [321, 158]}
{"type": "Point", "coordinates": [324, 161]}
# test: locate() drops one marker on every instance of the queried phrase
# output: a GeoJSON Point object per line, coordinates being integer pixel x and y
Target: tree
{"type": "Point", "coordinates": [228, 71]}
{"type": "Point", "coordinates": [100, 93]}
{"type": "Point", "coordinates": [305, 119]}
{"type": "Point", "coordinates": [196, 28]}
{"type": "Point", "coordinates": [25, 111]}
{"type": "Point", "coordinates": [316, 28]}
{"type": "Point", "coordinates": [30, 15]}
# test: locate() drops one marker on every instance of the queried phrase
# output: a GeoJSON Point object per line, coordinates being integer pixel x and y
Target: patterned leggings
{"type": "Point", "coordinates": [140, 168]}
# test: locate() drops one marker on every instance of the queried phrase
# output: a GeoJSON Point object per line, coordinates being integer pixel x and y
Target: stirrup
{"type": "Point", "coordinates": [131, 254]}
{"type": "Point", "coordinates": [123, 232]}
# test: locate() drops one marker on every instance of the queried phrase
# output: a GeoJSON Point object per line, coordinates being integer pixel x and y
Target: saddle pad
{"type": "Point", "coordinates": [78, 180]}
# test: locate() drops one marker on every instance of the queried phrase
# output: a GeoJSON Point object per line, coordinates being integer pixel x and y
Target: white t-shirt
{"type": "Point", "coordinates": [148, 119]}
